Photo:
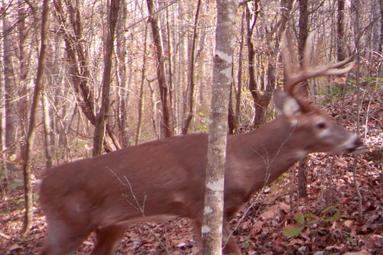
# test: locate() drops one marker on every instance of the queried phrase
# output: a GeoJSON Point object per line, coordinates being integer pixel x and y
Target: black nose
{"type": "Point", "coordinates": [357, 145]}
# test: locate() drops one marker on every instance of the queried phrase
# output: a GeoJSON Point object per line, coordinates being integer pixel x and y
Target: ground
{"type": "Point", "coordinates": [342, 214]}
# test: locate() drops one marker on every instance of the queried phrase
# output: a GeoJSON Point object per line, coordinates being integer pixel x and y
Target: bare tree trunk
{"type": "Point", "coordinates": [262, 92]}
{"type": "Point", "coordinates": [154, 111]}
{"type": "Point", "coordinates": [166, 125]}
{"type": "Point", "coordinates": [237, 112]}
{"type": "Point", "coordinates": [28, 194]}
{"type": "Point", "coordinates": [216, 155]}
{"type": "Point", "coordinates": [251, 19]}
{"type": "Point", "coordinates": [230, 117]}
{"type": "Point", "coordinates": [170, 69]}
{"type": "Point", "coordinates": [79, 66]}
{"type": "Point", "coordinates": [141, 96]}
{"type": "Point", "coordinates": [190, 97]}
{"type": "Point", "coordinates": [10, 117]}
{"type": "Point", "coordinates": [23, 71]}
{"type": "Point", "coordinates": [340, 31]}
{"type": "Point", "coordinates": [381, 26]}
{"type": "Point", "coordinates": [302, 89]}
{"type": "Point", "coordinates": [356, 20]}
{"type": "Point", "coordinates": [102, 116]}
{"type": "Point", "coordinates": [5, 178]}
{"type": "Point", "coordinates": [123, 85]}
{"type": "Point", "coordinates": [47, 128]}
{"type": "Point", "coordinates": [340, 40]}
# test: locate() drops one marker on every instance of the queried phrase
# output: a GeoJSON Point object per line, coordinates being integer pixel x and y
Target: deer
{"type": "Point", "coordinates": [164, 179]}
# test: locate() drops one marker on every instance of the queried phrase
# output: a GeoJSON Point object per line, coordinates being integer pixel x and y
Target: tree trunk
{"type": "Point", "coordinates": [166, 125]}
{"type": "Point", "coordinates": [153, 101]}
{"type": "Point", "coordinates": [302, 89]}
{"type": "Point", "coordinates": [251, 19]}
{"type": "Point", "coordinates": [340, 40]}
{"type": "Point", "coordinates": [237, 112]}
{"type": "Point", "coordinates": [79, 67]}
{"type": "Point", "coordinates": [170, 68]}
{"type": "Point", "coordinates": [102, 116]}
{"type": "Point", "coordinates": [5, 178]}
{"type": "Point", "coordinates": [381, 26]}
{"type": "Point", "coordinates": [23, 68]}
{"type": "Point", "coordinates": [190, 97]}
{"type": "Point", "coordinates": [216, 155]}
{"type": "Point", "coordinates": [230, 117]}
{"type": "Point", "coordinates": [123, 85]}
{"type": "Point", "coordinates": [10, 117]}
{"type": "Point", "coordinates": [141, 95]}
{"type": "Point", "coordinates": [340, 31]}
{"type": "Point", "coordinates": [28, 198]}
{"type": "Point", "coordinates": [47, 128]}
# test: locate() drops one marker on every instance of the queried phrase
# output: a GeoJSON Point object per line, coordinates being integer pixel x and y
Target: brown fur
{"type": "Point", "coordinates": [165, 178]}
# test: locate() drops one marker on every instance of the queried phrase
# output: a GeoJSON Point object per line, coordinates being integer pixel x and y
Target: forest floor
{"type": "Point", "coordinates": [342, 213]}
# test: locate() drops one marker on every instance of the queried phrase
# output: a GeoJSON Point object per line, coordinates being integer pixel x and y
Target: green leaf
{"type": "Point", "coordinates": [300, 219]}
{"type": "Point", "coordinates": [331, 214]}
{"type": "Point", "coordinates": [292, 231]}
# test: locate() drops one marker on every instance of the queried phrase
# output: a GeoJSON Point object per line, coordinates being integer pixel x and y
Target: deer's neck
{"type": "Point", "coordinates": [264, 154]}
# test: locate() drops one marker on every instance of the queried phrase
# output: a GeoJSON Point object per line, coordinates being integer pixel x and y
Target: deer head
{"type": "Point", "coordinates": [314, 124]}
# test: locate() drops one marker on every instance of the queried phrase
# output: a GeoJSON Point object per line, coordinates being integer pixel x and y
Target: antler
{"type": "Point", "coordinates": [307, 71]}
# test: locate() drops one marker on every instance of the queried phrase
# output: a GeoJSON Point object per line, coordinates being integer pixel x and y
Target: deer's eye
{"type": "Point", "coordinates": [321, 125]}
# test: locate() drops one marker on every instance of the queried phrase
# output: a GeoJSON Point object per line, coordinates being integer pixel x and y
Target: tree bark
{"type": "Point", "coordinates": [190, 97]}
{"type": "Point", "coordinates": [216, 155]}
{"type": "Point", "coordinates": [237, 111]}
{"type": "Point", "coordinates": [381, 26]}
{"type": "Point", "coordinates": [79, 67]}
{"type": "Point", "coordinates": [28, 194]}
{"type": "Point", "coordinates": [251, 19]}
{"type": "Point", "coordinates": [166, 125]}
{"type": "Point", "coordinates": [10, 116]}
{"type": "Point", "coordinates": [47, 128]}
{"type": "Point", "coordinates": [141, 96]}
{"type": "Point", "coordinates": [5, 178]}
{"type": "Point", "coordinates": [23, 68]}
{"type": "Point", "coordinates": [230, 117]}
{"type": "Point", "coordinates": [123, 85]}
{"type": "Point", "coordinates": [340, 31]}
{"type": "Point", "coordinates": [302, 89]}
{"type": "Point", "coordinates": [102, 116]}
{"type": "Point", "coordinates": [340, 40]}
{"type": "Point", "coordinates": [262, 93]}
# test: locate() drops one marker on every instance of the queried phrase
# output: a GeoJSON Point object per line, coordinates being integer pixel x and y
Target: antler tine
{"type": "Point", "coordinates": [308, 71]}
{"type": "Point", "coordinates": [324, 70]}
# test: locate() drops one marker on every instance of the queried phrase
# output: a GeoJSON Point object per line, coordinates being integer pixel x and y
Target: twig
{"type": "Point", "coordinates": [141, 208]}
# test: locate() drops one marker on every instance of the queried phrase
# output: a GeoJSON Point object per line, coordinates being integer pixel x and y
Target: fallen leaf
{"type": "Point", "coordinates": [348, 223]}
{"type": "Point", "coordinates": [271, 213]}
{"type": "Point", "coordinates": [257, 227]}
{"type": "Point", "coordinates": [362, 252]}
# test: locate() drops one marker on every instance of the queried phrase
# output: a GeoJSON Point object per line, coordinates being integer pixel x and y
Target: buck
{"type": "Point", "coordinates": [163, 179]}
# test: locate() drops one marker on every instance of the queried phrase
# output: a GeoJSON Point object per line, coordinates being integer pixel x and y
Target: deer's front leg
{"type": "Point", "coordinates": [230, 245]}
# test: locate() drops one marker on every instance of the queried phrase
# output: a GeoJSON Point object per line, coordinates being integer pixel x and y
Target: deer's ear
{"type": "Point", "coordinates": [286, 104]}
